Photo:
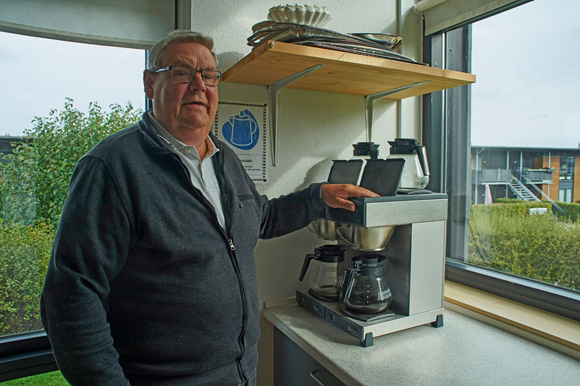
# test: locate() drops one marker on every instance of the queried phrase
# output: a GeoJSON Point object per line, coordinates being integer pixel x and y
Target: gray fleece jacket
{"type": "Point", "coordinates": [143, 284]}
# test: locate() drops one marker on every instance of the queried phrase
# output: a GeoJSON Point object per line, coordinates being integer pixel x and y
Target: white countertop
{"type": "Point", "coordinates": [463, 352]}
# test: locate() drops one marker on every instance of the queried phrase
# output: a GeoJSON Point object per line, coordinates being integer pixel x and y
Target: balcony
{"type": "Point", "coordinates": [504, 176]}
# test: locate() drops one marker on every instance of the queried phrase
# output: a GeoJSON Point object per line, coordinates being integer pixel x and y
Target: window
{"type": "Point", "coordinates": [566, 168]}
{"type": "Point", "coordinates": [40, 75]}
{"type": "Point", "coordinates": [565, 195]}
{"type": "Point", "coordinates": [505, 135]}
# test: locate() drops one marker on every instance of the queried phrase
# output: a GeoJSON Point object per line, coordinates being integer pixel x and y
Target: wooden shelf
{"type": "Point", "coordinates": [278, 65]}
{"type": "Point", "coordinates": [342, 72]}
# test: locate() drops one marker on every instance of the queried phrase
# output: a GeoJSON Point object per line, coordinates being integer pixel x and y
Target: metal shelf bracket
{"type": "Point", "coordinates": [370, 101]}
{"type": "Point", "coordinates": [273, 97]}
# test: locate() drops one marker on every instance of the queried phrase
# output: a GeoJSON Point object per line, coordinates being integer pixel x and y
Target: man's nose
{"type": "Point", "coordinates": [197, 82]}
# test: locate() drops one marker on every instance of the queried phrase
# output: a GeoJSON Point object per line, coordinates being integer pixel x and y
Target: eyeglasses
{"type": "Point", "coordinates": [187, 74]}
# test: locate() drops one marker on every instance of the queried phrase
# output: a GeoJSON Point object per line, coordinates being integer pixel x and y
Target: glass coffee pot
{"type": "Point", "coordinates": [365, 289]}
{"type": "Point", "coordinates": [326, 271]}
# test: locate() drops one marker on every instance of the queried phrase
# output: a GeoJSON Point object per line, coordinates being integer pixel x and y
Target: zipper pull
{"type": "Point", "coordinates": [232, 247]}
{"type": "Point", "coordinates": [240, 203]}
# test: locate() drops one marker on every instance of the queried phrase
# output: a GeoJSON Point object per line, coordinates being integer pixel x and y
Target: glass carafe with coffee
{"type": "Point", "coordinates": [365, 291]}
{"type": "Point", "coordinates": [325, 271]}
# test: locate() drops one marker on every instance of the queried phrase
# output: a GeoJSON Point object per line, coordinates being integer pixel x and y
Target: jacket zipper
{"type": "Point", "coordinates": [244, 314]}
{"type": "Point", "coordinates": [234, 262]}
{"type": "Point", "coordinates": [226, 204]}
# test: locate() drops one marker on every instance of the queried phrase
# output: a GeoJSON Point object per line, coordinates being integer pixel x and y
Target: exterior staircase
{"type": "Point", "coordinates": [523, 193]}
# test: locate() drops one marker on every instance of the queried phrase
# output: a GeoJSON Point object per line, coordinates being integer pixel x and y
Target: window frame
{"type": "Point", "coordinates": [25, 354]}
{"type": "Point", "coordinates": [446, 118]}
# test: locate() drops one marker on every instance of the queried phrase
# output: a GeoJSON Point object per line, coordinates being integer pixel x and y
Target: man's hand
{"type": "Point", "coordinates": [337, 195]}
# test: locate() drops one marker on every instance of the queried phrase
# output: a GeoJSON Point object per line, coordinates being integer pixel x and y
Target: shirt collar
{"type": "Point", "coordinates": [180, 146]}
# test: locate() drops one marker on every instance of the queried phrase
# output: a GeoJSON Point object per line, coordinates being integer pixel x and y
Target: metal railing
{"type": "Point", "coordinates": [492, 176]}
{"type": "Point", "coordinates": [521, 190]}
{"type": "Point", "coordinates": [544, 195]}
{"type": "Point", "coordinates": [503, 176]}
{"type": "Point", "coordinates": [536, 176]}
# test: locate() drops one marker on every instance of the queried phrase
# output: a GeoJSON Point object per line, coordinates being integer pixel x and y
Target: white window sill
{"type": "Point", "coordinates": [557, 332]}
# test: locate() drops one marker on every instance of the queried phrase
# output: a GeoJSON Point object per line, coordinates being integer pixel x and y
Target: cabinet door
{"type": "Point", "coordinates": [294, 367]}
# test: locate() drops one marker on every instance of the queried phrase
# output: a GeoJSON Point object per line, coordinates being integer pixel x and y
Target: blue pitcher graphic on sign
{"type": "Point", "coordinates": [242, 131]}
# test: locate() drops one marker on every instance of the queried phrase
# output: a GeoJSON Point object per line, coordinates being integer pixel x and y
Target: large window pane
{"type": "Point", "coordinates": [58, 100]}
{"type": "Point", "coordinates": [525, 128]}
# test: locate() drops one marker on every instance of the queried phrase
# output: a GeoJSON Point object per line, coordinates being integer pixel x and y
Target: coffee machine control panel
{"type": "Point", "coordinates": [392, 210]}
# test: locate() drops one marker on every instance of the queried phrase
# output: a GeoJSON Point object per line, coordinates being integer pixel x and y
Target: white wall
{"type": "Point", "coordinates": [314, 127]}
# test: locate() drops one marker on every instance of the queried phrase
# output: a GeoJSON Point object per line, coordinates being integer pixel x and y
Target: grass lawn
{"type": "Point", "coordinates": [47, 379]}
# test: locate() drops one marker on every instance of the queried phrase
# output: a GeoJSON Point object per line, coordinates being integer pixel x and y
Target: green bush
{"type": "Point", "coordinates": [24, 255]}
{"type": "Point", "coordinates": [513, 207]}
{"type": "Point", "coordinates": [540, 247]}
{"type": "Point", "coordinates": [571, 211]}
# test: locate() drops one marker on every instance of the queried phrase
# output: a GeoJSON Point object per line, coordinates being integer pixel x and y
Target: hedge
{"type": "Point", "coordinates": [24, 255]}
{"type": "Point", "coordinates": [571, 210]}
{"type": "Point", "coordinates": [505, 237]}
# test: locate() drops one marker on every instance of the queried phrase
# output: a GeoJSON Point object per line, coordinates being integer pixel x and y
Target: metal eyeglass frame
{"type": "Point", "coordinates": [195, 72]}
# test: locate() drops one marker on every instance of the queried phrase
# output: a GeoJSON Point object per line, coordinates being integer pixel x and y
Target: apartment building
{"type": "Point", "coordinates": [525, 173]}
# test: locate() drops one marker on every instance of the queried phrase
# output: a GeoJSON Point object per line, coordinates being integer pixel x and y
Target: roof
{"type": "Point", "coordinates": [531, 149]}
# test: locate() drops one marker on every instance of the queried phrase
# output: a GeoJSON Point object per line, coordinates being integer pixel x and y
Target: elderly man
{"type": "Point", "coordinates": [152, 278]}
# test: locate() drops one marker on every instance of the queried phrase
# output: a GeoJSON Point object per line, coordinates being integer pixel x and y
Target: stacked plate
{"type": "Point", "coordinates": [380, 45]}
{"type": "Point", "coordinates": [300, 14]}
{"type": "Point", "coordinates": [301, 24]}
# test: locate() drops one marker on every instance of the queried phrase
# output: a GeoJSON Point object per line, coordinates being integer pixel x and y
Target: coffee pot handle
{"type": "Point", "coordinates": [349, 275]}
{"type": "Point", "coordinates": [422, 153]}
{"type": "Point", "coordinates": [307, 259]}
{"type": "Point", "coordinates": [346, 281]}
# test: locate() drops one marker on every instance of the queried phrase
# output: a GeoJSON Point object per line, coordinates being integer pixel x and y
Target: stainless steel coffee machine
{"type": "Point", "coordinates": [413, 229]}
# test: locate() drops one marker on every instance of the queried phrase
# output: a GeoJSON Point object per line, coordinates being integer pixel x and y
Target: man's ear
{"type": "Point", "coordinates": [148, 83]}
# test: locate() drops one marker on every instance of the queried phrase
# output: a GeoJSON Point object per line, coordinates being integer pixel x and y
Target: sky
{"type": "Point", "coordinates": [37, 75]}
{"type": "Point", "coordinates": [527, 67]}
{"type": "Point", "coordinates": [526, 63]}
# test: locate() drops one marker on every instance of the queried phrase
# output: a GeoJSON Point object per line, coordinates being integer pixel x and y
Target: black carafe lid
{"type": "Point", "coordinates": [331, 253]}
{"type": "Point", "coordinates": [369, 149]}
{"type": "Point", "coordinates": [404, 146]}
{"type": "Point", "coordinates": [370, 265]}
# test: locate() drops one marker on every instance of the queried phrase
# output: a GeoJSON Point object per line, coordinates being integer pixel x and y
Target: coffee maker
{"type": "Point", "coordinates": [413, 256]}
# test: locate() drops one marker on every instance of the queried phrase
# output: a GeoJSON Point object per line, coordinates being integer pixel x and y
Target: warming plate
{"type": "Point", "coordinates": [365, 332]}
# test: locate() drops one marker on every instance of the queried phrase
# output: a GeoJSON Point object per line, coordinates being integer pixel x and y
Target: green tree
{"type": "Point", "coordinates": [34, 183]}
{"type": "Point", "coordinates": [37, 174]}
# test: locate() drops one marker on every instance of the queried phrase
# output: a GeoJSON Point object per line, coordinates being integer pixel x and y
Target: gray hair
{"type": "Point", "coordinates": [177, 36]}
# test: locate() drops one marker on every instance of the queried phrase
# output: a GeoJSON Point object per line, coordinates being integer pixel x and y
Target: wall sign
{"type": "Point", "coordinates": [243, 128]}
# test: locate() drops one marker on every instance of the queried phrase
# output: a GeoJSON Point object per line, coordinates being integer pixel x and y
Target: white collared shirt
{"type": "Point", "coordinates": [203, 176]}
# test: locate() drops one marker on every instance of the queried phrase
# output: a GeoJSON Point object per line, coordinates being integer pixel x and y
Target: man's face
{"type": "Point", "coordinates": [184, 109]}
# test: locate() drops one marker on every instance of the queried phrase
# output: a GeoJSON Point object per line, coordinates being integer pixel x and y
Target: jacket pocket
{"type": "Point", "coordinates": [247, 216]}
